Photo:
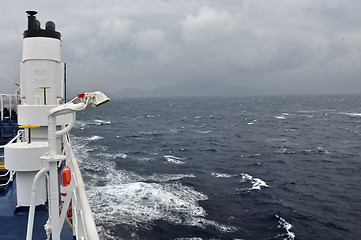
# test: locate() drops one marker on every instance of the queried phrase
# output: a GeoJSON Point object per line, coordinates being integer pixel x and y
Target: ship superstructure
{"type": "Point", "coordinates": [35, 155]}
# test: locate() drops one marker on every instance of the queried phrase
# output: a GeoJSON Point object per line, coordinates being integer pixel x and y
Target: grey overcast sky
{"type": "Point", "coordinates": [290, 46]}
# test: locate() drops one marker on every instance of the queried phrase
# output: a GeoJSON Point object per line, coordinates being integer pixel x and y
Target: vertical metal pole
{"type": "Point", "coordinates": [29, 232]}
{"type": "Point", "coordinates": [54, 188]}
{"type": "Point", "coordinates": [16, 103]}
{"type": "Point", "coordinates": [10, 107]}
{"type": "Point", "coordinates": [2, 108]}
{"type": "Point", "coordinates": [29, 141]}
{"type": "Point", "coordinates": [54, 200]}
{"type": "Point", "coordinates": [65, 82]}
{"type": "Point", "coordinates": [44, 96]}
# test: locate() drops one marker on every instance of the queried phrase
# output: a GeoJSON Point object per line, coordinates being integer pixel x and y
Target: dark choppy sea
{"type": "Point", "coordinates": [223, 167]}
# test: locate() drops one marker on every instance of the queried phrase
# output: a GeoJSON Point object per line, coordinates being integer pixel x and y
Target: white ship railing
{"type": "Point", "coordinates": [17, 138]}
{"type": "Point", "coordinates": [12, 102]}
{"type": "Point", "coordinates": [83, 223]}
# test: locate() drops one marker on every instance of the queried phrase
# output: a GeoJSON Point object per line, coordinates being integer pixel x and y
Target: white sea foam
{"type": "Point", "coordinates": [256, 182]}
{"type": "Point", "coordinates": [94, 138]}
{"type": "Point", "coordinates": [112, 156]}
{"type": "Point", "coordinates": [175, 160]}
{"type": "Point", "coordinates": [167, 177]}
{"type": "Point", "coordinates": [192, 238]}
{"type": "Point", "coordinates": [140, 203]}
{"type": "Point", "coordinates": [144, 159]}
{"type": "Point", "coordinates": [351, 114]}
{"type": "Point", "coordinates": [80, 124]}
{"type": "Point", "coordinates": [287, 226]}
{"type": "Point", "coordinates": [131, 199]}
{"type": "Point", "coordinates": [203, 132]}
{"type": "Point", "coordinates": [221, 175]}
{"type": "Point", "coordinates": [100, 122]}
{"type": "Point", "coordinates": [280, 117]}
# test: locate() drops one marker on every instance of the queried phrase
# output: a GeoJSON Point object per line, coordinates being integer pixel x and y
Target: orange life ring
{"type": "Point", "coordinates": [66, 178]}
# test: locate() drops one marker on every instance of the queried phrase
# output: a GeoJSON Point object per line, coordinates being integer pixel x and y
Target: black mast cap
{"type": "Point", "coordinates": [31, 13]}
{"type": "Point", "coordinates": [34, 29]}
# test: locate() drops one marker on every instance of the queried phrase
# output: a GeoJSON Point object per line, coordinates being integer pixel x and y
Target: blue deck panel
{"type": "Point", "coordinates": [14, 225]}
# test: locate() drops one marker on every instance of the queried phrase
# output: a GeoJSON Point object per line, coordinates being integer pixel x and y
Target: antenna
{"type": "Point", "coordinates": [4, 76]}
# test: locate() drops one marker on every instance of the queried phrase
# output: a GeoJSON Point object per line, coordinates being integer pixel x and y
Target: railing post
{"type": "Point", "coordinates": [2, 108]}
{"type": "Point", "coordinates": [29, 233]}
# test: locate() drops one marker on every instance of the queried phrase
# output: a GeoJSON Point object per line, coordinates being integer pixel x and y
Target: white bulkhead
{"type": "Point", "coordinates": [41, 66]}
{"type": "Point", "coordinates": [24, 158]}
{"type": "Point", "coordinates": [41, 89]}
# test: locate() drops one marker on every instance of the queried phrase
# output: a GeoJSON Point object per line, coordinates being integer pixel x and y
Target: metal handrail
{"type": "Point", "coordinates": [10, 179]}
{"type": "Point", "coordinates": [17, 138]}
{"type": "Point", "coordinates": [3, 175]}
{"type": "Point", "coordinates": [11, 105]}
{"type": "Point", "coordinates": [83, 221]}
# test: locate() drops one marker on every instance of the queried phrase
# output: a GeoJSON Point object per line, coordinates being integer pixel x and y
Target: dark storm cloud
{"type": "Point", "coordinates": [299, 45]}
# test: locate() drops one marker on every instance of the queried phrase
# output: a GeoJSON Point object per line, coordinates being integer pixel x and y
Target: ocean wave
{"type": "Point", "coordinates": [352, 114]}
{"type": "Point", "coordinates": [287, 226]}
{"type": "Point", "coordinates": [167, 177]}
{"type": "Point", "coordinates": [112, 156]}
{"type": "Point", "coordinates": [251, 122]}
{"type": "Point", "coordinates": [175, 160]}
{"type": "Point", "coordinates": [139, 204]}
{"type": "Point", "coordinates": [144, 159]}
{"type": "Point", "coordinates": [81, 124]}
{"type": "Point", "coordinates": [256, 182]}
{"type": "Point", "coordinates": [203, 132]}
{"type": "Point", "coordinates": [100, 122]}
{"type": "Point", "coordinates": [151, 133]}
{"type": "Point", "coordinates": [94, 138]}
{"type": "Point", "coordinates": [222, 175]}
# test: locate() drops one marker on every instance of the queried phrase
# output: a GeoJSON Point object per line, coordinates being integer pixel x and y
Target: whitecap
{"type": "Point", "coordinates": [221, 175]}
{"type": "Point", "coordinates": [80, 124]}
{"type": "Point", "coordinates": [112, 156]}
{"type": "Point", "coordinates": [287, 226]}
{"type": "Point", "coordinates": [124, 197]}
{"type": "Point", "coordinates": [192, 238]}
{"type": "Point", "coordinates": [351, 114]}
{"type": "Point", "coordinates": [174, 160]}
{"type": "Point", "coordinates": [280, 117]}
{"type": "Point", "coordinates": [203, 132]}
{"type": "Point", "coordinates": [94, 138]}
{"type": "Point", "coordinates": [256, 182]}
{"type": "Point", "coordinates": [144, 159]}
{"type": "Point", "coordinates": [100, 122]}
{"type": "Point", "coordinates": [140, 204]}
{"type": "Point", "coordinates": [167, 177]}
